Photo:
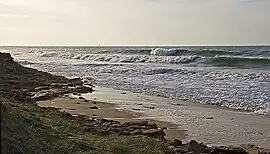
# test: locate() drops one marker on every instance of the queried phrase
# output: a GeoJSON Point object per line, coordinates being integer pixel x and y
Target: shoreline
{"type": "Point", "coordinates": [76, 106]}
{"type": "Point", "coordinates": [212, 125]}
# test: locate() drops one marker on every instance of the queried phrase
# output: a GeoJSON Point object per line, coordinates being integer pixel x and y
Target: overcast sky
{"type": "Point", "coordinates": [134, 22]}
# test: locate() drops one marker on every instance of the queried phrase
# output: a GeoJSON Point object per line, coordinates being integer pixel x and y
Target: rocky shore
{"type": "Point", "coordinates": [27, 88]}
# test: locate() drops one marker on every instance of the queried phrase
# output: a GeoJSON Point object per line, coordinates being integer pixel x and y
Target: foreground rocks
{"type": "Point", "coordinates": [58, 89]}
{"type": "Point", "coordinates": [150, 129]}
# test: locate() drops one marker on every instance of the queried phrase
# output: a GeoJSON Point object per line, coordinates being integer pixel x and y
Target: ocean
{"type": "Point", "coordinates": [236, 77]}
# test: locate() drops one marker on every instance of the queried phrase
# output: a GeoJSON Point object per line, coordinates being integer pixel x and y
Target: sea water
{"type": "Point", "coordinates": [232, 76]}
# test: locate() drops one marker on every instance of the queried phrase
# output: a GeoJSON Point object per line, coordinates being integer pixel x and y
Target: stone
{"type": "Point", "coordinates": [78, 103]}
{"type": "Point", "coordinates": [209, 118]}
{"type": "Point", "coordinates": [93, 107]}
{"type": "Point", "coordinates": [123, 93]}
{"type": "Point", "coordinates": [150, 107]}
{"type": "Point", "coordinates": [42, 88]}
{"type": "Point", "coordinates": [152, 125]}
{"type": "Point", "coordinates": [86, 101]}
{"type": "Point", "coordinates": [139, 123]}
{"type": "Point", "coordinates": [81, 97]}
{"type": "Point", "coordinates": [194, 147]}
{"type": "Point", "coordinates": [136, 109]}
{"type": "Point", "coordinates": [177, 142]}
{"type": "Point", "coordinates": [135, 127]}
{"type": "Point", "coordinates": [140, 104]}
{"type": "Point", "coordinates": [136, 132]}
{"type": "Point", "coordinates": [229, 149]}
{"type": "Point", "coordinates": [155, 133]}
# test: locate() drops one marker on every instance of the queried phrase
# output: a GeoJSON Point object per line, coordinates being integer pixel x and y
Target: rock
{"type": "Point", "coordinates": [76, 81]}
{"type": "Point", "coordinates": [139, 123]}
{"type": "Point", "coordinates": [81, 97]}
{"type": "Point", "coordinates": [229, 149]}
{"type": "Point", "coordinates": [209, 118]}
{"type": "Point", "coordinates": [150, 107]}
{"type": "Point", "coordinates": [136, 109]}
{"type": "Point", "coordinates": [194, 147]}
{"type": "Point", "coordinates": [42, 88]}
{"type": "Point", "coordinates": [57, 85]}
{"type": "Point", "coordinates": [86, 101]}
{"type": "Point", "coordinates": [125, 133]}
{"type": "Point", "coordinates": [78, 103]}
{"type": "Point", "coordinates": [94, 102]}
{"type": "Point", "coordinates": [152, 125]}
{"type": "Point", "coordinates": [123, 93]}
{"type": "Point", "coordinates": [136, 132]}
{"type": "Point", "coordinates": [93, 107]}
{"type": "Point", "coordinates": [155, 133]}
{"type": "Point", "coordinates": [264, 151]}
{"type": "Point", "coordinates": [135, 127]}
{"type": "Point", "coordinates": [177, 142]}
{"type": "Point", "coordinates": [140, 104]}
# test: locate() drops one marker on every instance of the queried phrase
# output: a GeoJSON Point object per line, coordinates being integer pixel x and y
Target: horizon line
{"type": "Point", "coordinates": [132, 45]}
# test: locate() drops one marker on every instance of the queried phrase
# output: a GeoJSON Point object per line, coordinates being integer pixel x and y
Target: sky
{"type": "Point", "coordinates": [134, 22]}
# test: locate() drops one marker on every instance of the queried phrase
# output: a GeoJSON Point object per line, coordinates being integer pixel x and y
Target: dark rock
{"type": "Point", "coordinates": [81, 97]}
{"type": "Point", "coordinates": [125, 133]}
{"type": "Point", "coordinates": [123, 93]}
{"type": "Point", "coordinates": [86, 101]}
{"type": "Point", "coordinates": [93, 107]}
{"type": "Point", "coordinates": [140, 104]}
{"type": "Point", "coordinates": [150, 107]}
{"type": "Point", "coordinates": [135, 127]}
{"type": "Point", "coordinates": [194, 147]}
{"type": "Point", "coordinates": [78, 103]}
{"type": "Point", "coordinates": [209, 118]}
{"type": "Point", "coordinates": [136, 109]}
{"type": "Point", "coordinates": [139, 123]}
{"type": "Point", "coordinates": [229, 149]}
{"type": "Point", "coordinates": [177, 142]}
{"type": "Point", "coordinates": [94, 102]}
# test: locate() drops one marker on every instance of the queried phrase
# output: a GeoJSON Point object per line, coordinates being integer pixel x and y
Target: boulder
{"type": "Point", "coordinates": [194, 147]}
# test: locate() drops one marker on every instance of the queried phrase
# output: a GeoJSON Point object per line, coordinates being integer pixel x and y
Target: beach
{"type": "Point", "coordinates": [211, 125]}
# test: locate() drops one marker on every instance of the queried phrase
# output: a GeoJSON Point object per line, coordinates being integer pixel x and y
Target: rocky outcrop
{"type": "Point", "coordinates": [105, 126]}
{"type": "Point", "coordinates": [58, 89]}
{"type": "Point", "coordinates": [6, 57]}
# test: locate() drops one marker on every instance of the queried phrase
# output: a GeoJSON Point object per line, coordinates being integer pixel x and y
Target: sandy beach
{"type": "Point", "coordinates": [108, 111]}
{"type": "Point", "coordinates": [209, 124]}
